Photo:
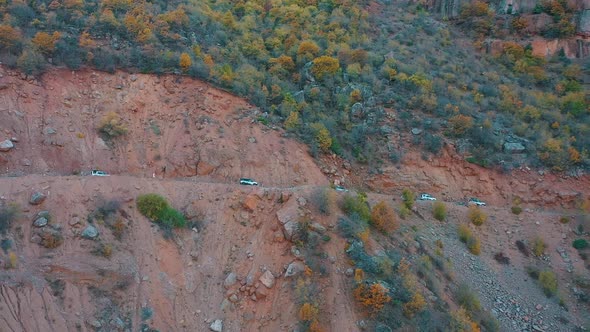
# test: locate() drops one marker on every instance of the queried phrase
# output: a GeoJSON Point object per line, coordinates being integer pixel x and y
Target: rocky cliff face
{"type": "Point", "coordinates": [575, 47]}
{"type": "Point", "coordinates": [452, 8]}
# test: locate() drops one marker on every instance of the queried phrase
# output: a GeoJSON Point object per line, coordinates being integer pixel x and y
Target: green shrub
{"type": "Point", "coordinates": [408, 197]}
{"type": "Point", "coordinates": [439, 211]}
{"type": "Point", "coordinates": [516, 210]}
{"type": "Point", "coordinates": [464, 233]}
{"type": "Point", "coordinates": [358, 205]}
{"type": "Point", "coordinates": [403, 212]}
{"type": "Point", "coordinates": [477, 216]}
{"type": "Point", "coordinates": [152, 206]}
{"type": "Point", "coordinates": [539, 246]}
{"type": "Point", "coordinates": [324, 199]}
{"type": "Point", "coordinates": [474, 245]}
{"type": "Point", "coordinates": [8, 214]}
{"type": "Point", "coordinates": [173, 218]}
{"type": "Point", "coordinates": [351, 226]}
{"type": "Point", "coordinates": [469, 239]}
{"type": "Point", "coordinates": [112, 126]}
{"type": "Point", "coordinates": [580, 244]}
{"type": "Point", "coordinates": [467, 298]}
{"type": "Point", "coordinates": [548, 281]}
{"type": "Point", "coordinates": [564, 220]}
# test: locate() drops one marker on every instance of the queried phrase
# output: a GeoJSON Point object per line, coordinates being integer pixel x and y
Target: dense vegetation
{"type": "Point", "coordinates": [340, 74]}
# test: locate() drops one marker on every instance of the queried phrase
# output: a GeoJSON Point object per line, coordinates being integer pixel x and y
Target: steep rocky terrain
{"type": "Point", "coordinates": [191, 143]}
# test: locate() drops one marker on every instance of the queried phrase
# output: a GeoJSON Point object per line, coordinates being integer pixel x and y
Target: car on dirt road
{"type": "Point", "coordinates": [248, 182]}
{"type": "Point", "coordinates": [96, 172]}
{"type": "Point", "coordinates": [475, 201]}
{"type": "Point", "coordinates": [427, 197]}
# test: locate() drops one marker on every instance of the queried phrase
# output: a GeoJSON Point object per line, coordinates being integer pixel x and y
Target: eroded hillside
{"type": "Point", "coordinates": [271, 258]}
{"type": "Point", "coordinates": [177, 127]}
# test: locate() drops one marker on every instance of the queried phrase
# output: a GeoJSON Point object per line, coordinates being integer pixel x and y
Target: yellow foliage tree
{"type": "Point", "coordinates": [415, 305]}
{"type": "Point", "coordinates": [460, 124]}
{"type": "Point", "coordinates": [86, 40]}
{"type": "Point", "coordinates": [208, 60]}
{"type": "Point", "coordinates": [185, 61]}
{"type": "Point", "coordinates": [307, 50]}
{"type": "Point", "coordinates": [9, 36]}
{"type": "Point", "coordinates": [292, 121]}
{"type": "Point", "coordinates": [45, 42]}
{"type": "Point", "coordinates": [308, 312]}
{"type": "Point", "coordinates": [373, 297]}
{"type": "Point", "coordinates": [477, 216]}
{"type": "Point", "coordinates": [383, 217]}
{"type": "Point", "coordinates": [324, 65]}
{"type": "Point", "coordinates": [461, 322]}
{"type": "Point", "coordinates": [322, 136]}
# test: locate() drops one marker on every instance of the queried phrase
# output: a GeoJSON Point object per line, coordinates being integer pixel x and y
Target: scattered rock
{"type": "Point", "coordinates": [252, 139]}
{"type": "Point", "coordinates": [250, 202]}
{"type": "Point", "coordinates": [285, 196]}
{"type": "Point", "coordinates": [217, 326]}
{"type": "Point", "coordinates": [513, 147]}
{"type": "Point", "coordinates": [296, 252]}
{"type": "Point", "coordinates": [6, 145]}
{"type": "Point", "coordinates": [95, 323]}
{"type": "Point", "coordinates": [267, 279]}
{"type": "Point", "coordinates": [74, 221]}
{"type": "Point", "coordinates": [349, 272]}
{"type": "Point", "coordinates": [230, 280]}
{"type": "Point", "coordinates": [416, 131]}
{"type": "Point", "coordinates": [302, 201]}
{"type": "Point", "coordinates": [317, 227]}
{"type": "Point", "coordinates": [37, 198]}
{"type": "Point", "coordinates": [90, 232]}
{"type": "Point", "coordinates": [49, 131]}
{"type": "Point", "coordinates": [261, 293]}
{"type": "Point", "coordinates": [226, 304]}
{"type": "Point", "coordinates": [294, 269]}
{"type": "Point", "coordinates": [290, 230]}
{"type": "Point", "coordinates": [194, 255]}
{"type": "Point", "coordinates": [233, 298]}
{"type": "Point", "coordinates": [40, 222]}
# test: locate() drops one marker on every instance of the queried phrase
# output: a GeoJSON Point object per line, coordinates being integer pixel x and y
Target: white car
{"type": "Point", "coordinates": [427, 197]}
{"type": "Point", "coordinates": [96, 172]}
{"type": "Point", "coordinates": [340, 188]}
{"type": "Point", "coordinates": [248, 182]}
{"type": "Point", "coordinates": [475, 201]}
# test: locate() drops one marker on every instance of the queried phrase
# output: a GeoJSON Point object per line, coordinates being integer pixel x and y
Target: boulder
{"type": "Point", "coordinates": [40, 222]}
{"type": "Point", "coordinates": [74, 221]}
{"type": "Point", "coordinates": [302, 201]}
{"type": "Point", "coordinates": [37, 198]}
{"type": "Point", "coordinates": [267, 279]}
{"type": "Point", "coordinates": [416, 131]}
{"type": "Point", "coordinates": [6, 145]}
{"type": "Point", "coordinates": [44, 214]}
{"type": "Point", "coordinates": [514, 147]}
{"type": "Point", "coordinates": [261, 293]}
{"type": "Point", "coordinates": [290, 230]}
{"type": "Point", "coordinates": [49, 131]}
{"type": "Point", "coordinates": [230, 280]}
{"type": "Point", "coordinates": [90, 232]}
{"type": "Point", "coordinates": [317, 227]}
{"type": "Point", "coordinates": [217, 326]}
{"type": "Point", "coordinates": [294, 269]}
{"type": "Point", "coordinates": [250, 202]}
